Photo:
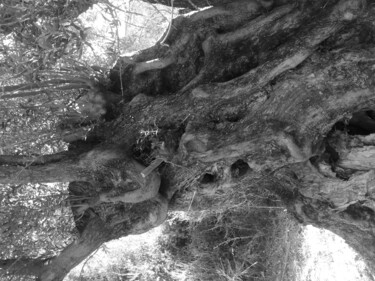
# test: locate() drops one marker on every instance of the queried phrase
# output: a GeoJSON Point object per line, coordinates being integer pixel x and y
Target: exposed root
{"type": "Point", "coordinates": [152, 65]}
{"type": "Point", "coordinates": [82, 208]}
{"type": "Point", "coordinates": [216, 47]}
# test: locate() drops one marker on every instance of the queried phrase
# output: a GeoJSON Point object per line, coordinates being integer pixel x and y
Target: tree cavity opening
{"type": "Point", "coordinates": [239, 168]}
{"type": "Point", "coordinates": [348, 147]}
{"type": "Point", "coordinates": [207, 178]}
{"type": "Point", "coordinates": [361, 123]}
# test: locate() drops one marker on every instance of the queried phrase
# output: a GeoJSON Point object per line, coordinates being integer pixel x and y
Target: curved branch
{"type": "Point", "coordinates": [20, 160]}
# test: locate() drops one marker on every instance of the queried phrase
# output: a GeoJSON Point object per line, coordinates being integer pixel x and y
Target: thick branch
{"type": "Point", "coordinates": [20, 160]}
{"type": "Point", "coordinates": [42, 84]}
{"type": "Point", "coordinates": [42, 90]}
{"type": "Point", "coordinates": [295, 115]}
{"type": "Point", "coordinates": [64, 171]}
{"type": "Point", "coordinates": [190, 4]}
{"type": "Point", "coordinates": [291, 54]}
{"type": "Point", "coordinates": [23, 266]}
{"type": "Point", "coordinates": [143, 188]}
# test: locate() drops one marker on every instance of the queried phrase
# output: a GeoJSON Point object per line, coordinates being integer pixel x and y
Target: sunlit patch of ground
{"type": "Point", "coordinates": [135, 257]}
{"type": "Point", "coordinates": [113, 258]}
{"type": "Point", "coordinates": [328, 258]}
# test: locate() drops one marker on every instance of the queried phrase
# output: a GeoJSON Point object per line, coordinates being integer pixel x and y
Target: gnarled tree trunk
{"type": "Point", "coordinates": [267, 84]}
{"type": "Point", "coordinates": [270, 83]}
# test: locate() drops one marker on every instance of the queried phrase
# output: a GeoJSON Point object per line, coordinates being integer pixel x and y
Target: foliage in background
{"type": "Point", "coordinates": [38, 93]}
{"type": "Point", "coordinates": [53, 57]}
{"type": "Point", "coordinates": [35, 34]}
{"type": "Point", "coordinates": [37, 223]}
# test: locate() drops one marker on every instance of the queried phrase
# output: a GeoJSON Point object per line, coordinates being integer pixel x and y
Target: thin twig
{"type": "Point", "coordinates": [120, 9]}
{"type": "Point", "coordinates": [156, 9]}
{"type": "Point", "coordinates": [192, 199]}
{"type": "Point", "coordinates": [170, 25]}
{"type": "Point", "coordinates": [234, 239]}
{"type": "Point", "coordinates": [90, 257]}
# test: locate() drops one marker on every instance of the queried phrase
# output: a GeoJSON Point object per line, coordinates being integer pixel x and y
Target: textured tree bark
{"type": "Point", "coordinates": [268, 89]}
{"type": "Point", "coordinates": [196, 4]}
